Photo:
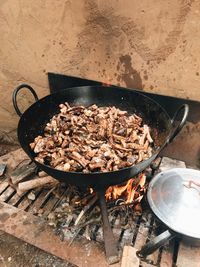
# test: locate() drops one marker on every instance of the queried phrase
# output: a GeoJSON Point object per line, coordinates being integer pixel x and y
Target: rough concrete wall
{"type": "Point", "coordinates": [150, 45]}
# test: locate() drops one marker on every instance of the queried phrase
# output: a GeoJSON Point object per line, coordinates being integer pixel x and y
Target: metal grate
{"type": "Point", "coordinates": [129, 229]}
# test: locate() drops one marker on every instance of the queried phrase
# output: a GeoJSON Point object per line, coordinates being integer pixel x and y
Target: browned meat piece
{"type": "Point", "coordinates": [50, 143]}
{"type": "Point", "coordinates": [57, 161]}
{"type": "Point", "coordinates": [89, 153]}
{"type": "Point", "coordinates": [93, 138]}
{"type": "Point", "coordinates": [109, 128]}
{"type": "Point", "coordinates": [96, 165]}
{"type": "Point", "coordinates": [32, 145]}
{"type": "Point", "coordinates": [141, 156]}
{"type": "Point", "coordinates": [64, 143]}
{"type": "Point", "coordinates": [119, 147]}
{"type": "Point", "coordinates": [40, 160]}
{"type": "Point", "coordinates": [149, 138]}
{"type": "Point", "coordinates": [80, 159]}
{"type": "Point", "coordinates": [91, 127]}
{"type": "Point", "coordinates": [132, 159]}
{"type": "Point", "coordinates": [66, 167]}
{"type": "Point", "coordinates": [109, 165]}
{"type": "Point", "coordinates": [40, 144]}
{"type": "Point", "coordinates": [94, 144]}
{"type": "Point", "coordinates": [122, 131]}
{"type": "Point", "coordinates": [102, 128]}
{"type": "Point", "coordinates": [124, 164]}
{"type": "Point", "coordinates": [145, 135]}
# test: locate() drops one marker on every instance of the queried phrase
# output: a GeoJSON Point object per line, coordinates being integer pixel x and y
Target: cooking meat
{"type": "Point", "coordinates": [93, 139]}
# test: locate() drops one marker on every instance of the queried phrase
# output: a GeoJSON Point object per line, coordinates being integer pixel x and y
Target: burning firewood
{"type": "Point", "coordinates": [130, 192]}
{"type": "Point", "coordinates": [93, 139]}
{"type": "Point", "coordinates": [85, 209]}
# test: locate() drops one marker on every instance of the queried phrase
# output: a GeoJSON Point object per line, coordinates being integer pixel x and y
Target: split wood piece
{"type": "Point", "coordinates": [3, 185]}
{"type": "Point", "coordinates": [26, 203]}
{"type": "Point", "coordinates": [92, 221]}
{"type": "Point", "coordinates": [13, 159]}
{"type": "Point", "coordinates": [2, 169]}
{"type": "Point", "coordinates": [167, 254]}
{"type": "Point", "coordinates": [38, 203]}
{"type": "Point", "coordinates": [6, 139]}
{"type": "Point", "coordinates": [7, 194]}
{"type": "Point", "coordinates": [52, 203]}
{"type": "Point", "coordinates": [154, 257]}
{"type": "Point", "coordinates": [22, 172]}
{"type": "Point", "coordinates": [129, 257]}
{"type": "Point", "coordinates": [143, 232]}
{"type": "Point", "coordinates": [188, 256]}
{"type": "Point", "coordinates": [127, 236]}
{"type": "Point", "coordinates": [35, 183]}
{"type": "Point", "coordinates": [15, 199]}
{"type": "Point", "coordinates": [85, 209]}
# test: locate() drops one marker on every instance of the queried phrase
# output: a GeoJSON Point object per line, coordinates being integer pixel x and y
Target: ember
{"type": "Point", "coordinates": [93, 139]}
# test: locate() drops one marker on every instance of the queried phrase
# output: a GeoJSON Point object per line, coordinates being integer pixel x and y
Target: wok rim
{"type": "Point", "coordinates": [156, 151]}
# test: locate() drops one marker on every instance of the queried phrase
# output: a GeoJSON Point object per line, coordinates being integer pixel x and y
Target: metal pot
{"type": "Point", "coordinates": [174, 197]}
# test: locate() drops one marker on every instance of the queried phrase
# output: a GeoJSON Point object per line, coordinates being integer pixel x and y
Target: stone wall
{"type": "Point", "coordinates": [149, 45]}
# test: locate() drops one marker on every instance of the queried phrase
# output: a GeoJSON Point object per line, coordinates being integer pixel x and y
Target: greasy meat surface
{"type": "Point", "coordinates": [93, 139]}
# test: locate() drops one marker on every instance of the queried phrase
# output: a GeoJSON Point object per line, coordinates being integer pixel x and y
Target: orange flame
{"type": "Point", "coordinates": [130, 191]}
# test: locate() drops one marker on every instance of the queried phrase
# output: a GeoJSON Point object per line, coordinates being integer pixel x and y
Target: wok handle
{"type": "Point", "coordinates": [109, 240]}
{"type": "Point", "coordinates": [155, 243]}
{"type": "Point", "coordinates": [185, 109]}
{"type": "Point", "coordinates": [14, 96]}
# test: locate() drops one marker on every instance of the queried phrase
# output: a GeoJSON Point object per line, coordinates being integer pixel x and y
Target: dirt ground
{"type": "Point", "coordinates": [16, 253]}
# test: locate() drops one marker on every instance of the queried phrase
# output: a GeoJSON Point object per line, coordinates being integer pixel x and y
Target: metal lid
{"type": "Point", "coordinates": [175, 202]}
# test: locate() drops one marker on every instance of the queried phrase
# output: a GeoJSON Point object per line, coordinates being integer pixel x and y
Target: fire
{"type": "Point", "coordinates": [132, 191]}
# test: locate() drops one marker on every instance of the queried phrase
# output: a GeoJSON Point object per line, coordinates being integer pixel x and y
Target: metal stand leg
{"type": "Point", "coordinates": [109, 240]}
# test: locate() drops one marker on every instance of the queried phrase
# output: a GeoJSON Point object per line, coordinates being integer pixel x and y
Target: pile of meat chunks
{"type": "Point", "coordinates": [93, 139]}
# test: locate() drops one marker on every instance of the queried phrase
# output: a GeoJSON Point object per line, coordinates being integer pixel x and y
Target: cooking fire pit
{"type": "Point", "coordinates": [34, 119]}
{"type": "Point", "coordinates": [132, 223]}
{"type": "Point", "coordinates": [22, 216]}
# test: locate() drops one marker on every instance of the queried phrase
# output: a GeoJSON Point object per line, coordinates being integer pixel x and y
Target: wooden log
{"type": "Point", "coordinates": [22, 172]}
{"type": "Point", "coordinates": [7, 194]}
{"type": "Point", "coordinates": [129, 257]}
{"type": "Point", "coordinates": [85, 209]}
{"type": "Point", "coordinates": [167, 254]}
{"type": "Point", "coordinates": [2, 169]}
{"type": "Point", "coordinates": [188, 256]}
{"type": "Point", "coordinates": [35, 183]}
{"type": "Point", "coordinates": [13, 159]}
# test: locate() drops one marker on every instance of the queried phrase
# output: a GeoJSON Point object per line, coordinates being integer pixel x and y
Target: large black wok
{"type": "Point", "coordinates": [33, 120]}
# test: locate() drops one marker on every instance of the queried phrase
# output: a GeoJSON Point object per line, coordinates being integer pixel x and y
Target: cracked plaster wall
{"type": "Point", "coordinates": [149, 45]}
